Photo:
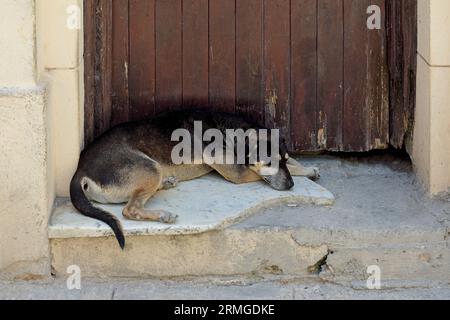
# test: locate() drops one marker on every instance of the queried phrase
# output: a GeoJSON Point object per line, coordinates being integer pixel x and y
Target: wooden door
{"type": "Point", "coordinates": [309, 67]}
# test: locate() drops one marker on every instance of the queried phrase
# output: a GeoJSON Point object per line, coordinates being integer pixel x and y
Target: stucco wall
{"type": "Point", "coordinates": [431, 151]}
{"type": "Point", "coordinates": [41, 132]}
{"type": "Point", "coordinates": [17, 63]}
{"type": "Point", "coordinates": [26, 194]}
{"type": "Point", "coordinates": [60, 58]}
{"type": "Point", "coordinates": [26, 191]}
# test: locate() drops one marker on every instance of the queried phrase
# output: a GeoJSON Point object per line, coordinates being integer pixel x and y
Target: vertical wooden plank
{"type": "Point", "coordinates": [356, 68]}
{"type": "Point", "coordinates": [249, 59]}
{"type": "Point", "coordinates": [222, 55]}
{"type": "Point", "coordinates": [90, 28]}
{"type": "Point", "coordinates": [102, 111]}
{"type": "Point", "coordinates": [402, 48]}
{"type": "Point", "coordinates": [378, 84]}
{"type": "Point", "coordinates": [142, 59]}
{"type": "Point", "coordinates": [366, 115]}
{"type": "Point", "coordinates": [304, 74]}
{"type": "Point", "coordinates": [330, 74]}
{"type": "Point", "coordinates": [195, 53]}
{"type": "Point", "coordinates": [120, 63]}
{"type": "Point", "coordinates": [277, 65]}
{"type": "Point", "coordinates": [168, 55]}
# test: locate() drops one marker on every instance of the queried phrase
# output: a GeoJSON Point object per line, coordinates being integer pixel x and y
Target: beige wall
{"type": "Point", "coordinates": [26, 191]}
{"type": "Point", "coordinates": [40, 136]}
{"type": "Point", "coordinates": [431, 151]}
{"type": "Point", "coordinates": [17, 63]}
{"type": "Point", "coordinates": [60, 59]}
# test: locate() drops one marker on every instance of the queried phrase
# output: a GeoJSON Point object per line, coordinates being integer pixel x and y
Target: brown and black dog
{"type": "Point", "coordinates": [131, 162]}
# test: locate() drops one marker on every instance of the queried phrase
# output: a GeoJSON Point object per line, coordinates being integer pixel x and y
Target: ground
{"type": "Point", "coordinates": [381, 214]}
{"type": "Point", "coordinates": [217, 289]}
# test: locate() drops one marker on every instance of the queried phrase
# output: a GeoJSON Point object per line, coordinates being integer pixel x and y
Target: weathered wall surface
{"type": "Point", "coordinates": [41, 121]}
{"type": "Point", "coordinates": [17, 40]}
{"type": "Point", "coordinates": [26, 191]}
{"type": "Point", "coordinates": [431, 152]}
{"type": "Point", "coordinates": [60, 58]}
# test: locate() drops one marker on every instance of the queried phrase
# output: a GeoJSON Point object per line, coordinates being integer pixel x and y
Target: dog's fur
{"type": "Point", "coordinates": [131, 162]}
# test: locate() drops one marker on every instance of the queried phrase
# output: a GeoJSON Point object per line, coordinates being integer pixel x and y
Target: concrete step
{"type": "Point", "coordinates": [380, 218]}
{"type": "Point", "coordinates": [257, 251]}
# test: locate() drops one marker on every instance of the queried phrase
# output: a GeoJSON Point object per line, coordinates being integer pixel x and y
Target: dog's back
{"type": "Point", "coordinates": [130, 162]}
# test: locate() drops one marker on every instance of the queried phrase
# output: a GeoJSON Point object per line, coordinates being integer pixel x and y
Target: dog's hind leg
{"type": "Point", "coordinates": [297, 169]}
{"type": "Point", "coordinates": [144, 181]}
{"type": "Point", "coordinates": [135, 210]}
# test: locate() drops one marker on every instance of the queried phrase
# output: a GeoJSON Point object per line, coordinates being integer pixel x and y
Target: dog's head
{"type": "Point", "coordinates": [275, 173]}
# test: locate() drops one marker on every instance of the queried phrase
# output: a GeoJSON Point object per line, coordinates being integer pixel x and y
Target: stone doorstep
{"type": "Point", "coordinates": [280, 240]}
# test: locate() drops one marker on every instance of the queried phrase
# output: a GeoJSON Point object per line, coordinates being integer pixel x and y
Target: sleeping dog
{"type": "Point", "coordinates": [131, 162]}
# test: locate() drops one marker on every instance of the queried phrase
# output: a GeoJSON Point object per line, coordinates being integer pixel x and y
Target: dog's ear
{"type": "Point", "coordinates": [283, 150]}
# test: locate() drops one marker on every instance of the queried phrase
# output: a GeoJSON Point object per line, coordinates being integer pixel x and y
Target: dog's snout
{"type": "Point", "coordinates": [280, 182]}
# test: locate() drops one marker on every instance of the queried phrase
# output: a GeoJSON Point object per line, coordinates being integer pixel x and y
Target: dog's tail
{"type": "Point", "coordinates": [81, 202]}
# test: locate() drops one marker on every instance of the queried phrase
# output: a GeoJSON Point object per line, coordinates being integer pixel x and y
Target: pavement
{"type": "Point", "coordinates": [219, 289]}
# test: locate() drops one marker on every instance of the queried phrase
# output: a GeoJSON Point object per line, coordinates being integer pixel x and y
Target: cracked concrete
{"type": "Point", "coordinates": [226, 252]}
{"type": "Point", "coordinates": [381, 217]}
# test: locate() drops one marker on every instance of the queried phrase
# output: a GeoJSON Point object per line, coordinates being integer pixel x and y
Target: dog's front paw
{"type": "Point", "coordinates": [169, 183]}
{"type": "Point", "coordinates": [167, 217]}
{"type": "Point", "coordinates": [315, 173]}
